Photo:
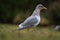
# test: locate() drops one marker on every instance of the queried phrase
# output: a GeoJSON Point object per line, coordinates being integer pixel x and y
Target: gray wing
{"type": "Point", "coordinates": [30, 22]}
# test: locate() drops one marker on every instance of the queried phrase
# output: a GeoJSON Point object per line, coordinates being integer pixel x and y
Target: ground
{"type": "Point", "coordinates": [42, 33]}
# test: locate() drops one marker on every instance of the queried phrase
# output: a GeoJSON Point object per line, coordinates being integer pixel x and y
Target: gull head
{"type": "Point", "coordinates": [40, 6]}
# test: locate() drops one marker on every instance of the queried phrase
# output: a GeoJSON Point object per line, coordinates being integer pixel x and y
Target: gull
{"type": "Point", "coordinates": [57, 28]}
{"type": "Point", "coordinates": [33, 20]}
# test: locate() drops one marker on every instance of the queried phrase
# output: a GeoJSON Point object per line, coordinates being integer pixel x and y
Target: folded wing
{"type": "Point", "coordinates": [29, 22]}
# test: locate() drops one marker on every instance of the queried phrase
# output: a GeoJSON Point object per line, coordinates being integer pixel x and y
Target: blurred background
{"type": "Point", "coordinates": [14, 12]}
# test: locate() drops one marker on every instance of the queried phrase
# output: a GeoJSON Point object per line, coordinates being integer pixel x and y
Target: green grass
{"type": "Point", "coordinates": [7, 33]}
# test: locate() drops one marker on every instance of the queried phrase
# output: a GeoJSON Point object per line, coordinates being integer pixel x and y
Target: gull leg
{"type": "Point", "coordinates": [31, 29]}
{"type": "Point", "coordinates": [35, 29]}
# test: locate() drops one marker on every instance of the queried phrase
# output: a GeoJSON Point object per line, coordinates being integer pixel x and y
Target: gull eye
{"type": "Point", "coordinates": [41, 6]}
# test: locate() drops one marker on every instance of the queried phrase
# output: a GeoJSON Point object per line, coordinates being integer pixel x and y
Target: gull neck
{"type": "Point", "coordinates": [36, 12]}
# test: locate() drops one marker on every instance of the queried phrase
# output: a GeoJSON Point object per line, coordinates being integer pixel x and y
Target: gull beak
{"type": "Point", "coordinates": [45, 8]}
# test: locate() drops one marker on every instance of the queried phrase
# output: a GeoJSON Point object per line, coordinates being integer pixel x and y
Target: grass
{"type": "Point", "coordinates": [7, 33]}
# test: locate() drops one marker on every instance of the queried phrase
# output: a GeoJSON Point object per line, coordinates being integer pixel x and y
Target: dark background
{"type": "Point", "coordinates": [16, 11]}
